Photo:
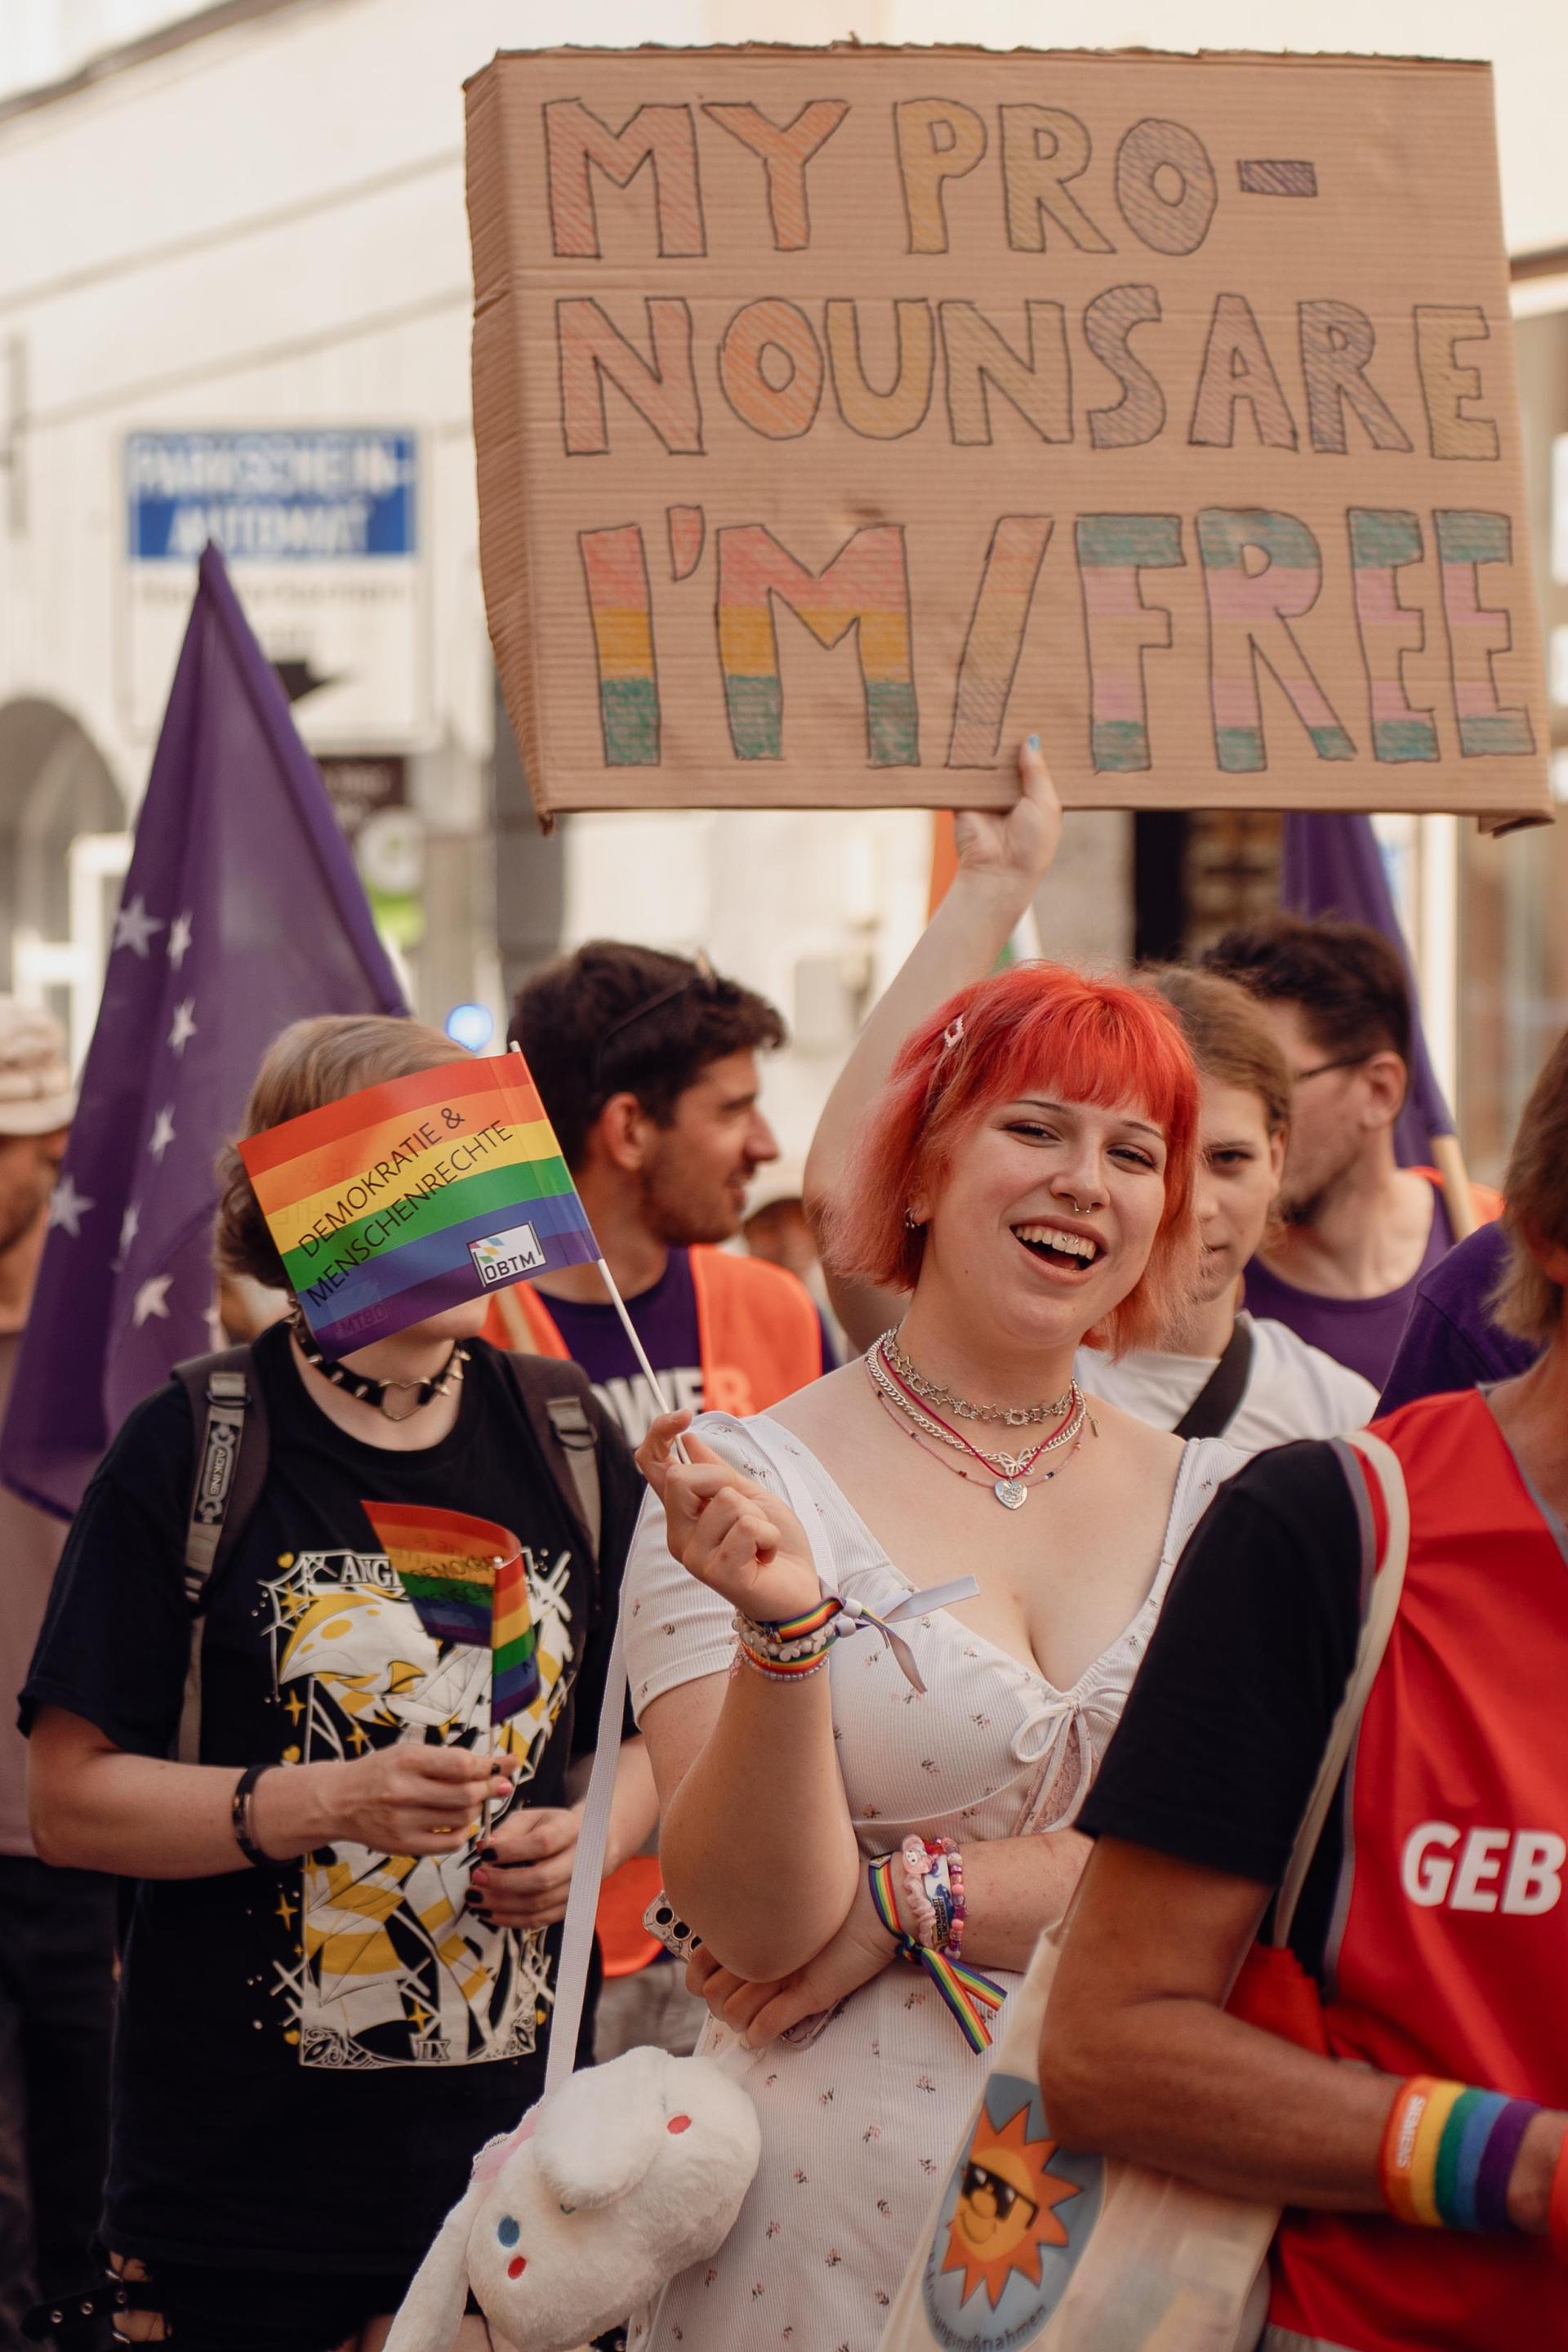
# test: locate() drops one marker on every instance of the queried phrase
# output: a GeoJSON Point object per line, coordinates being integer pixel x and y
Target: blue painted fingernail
{"type": "Point", "coordinates": [1034, 742]}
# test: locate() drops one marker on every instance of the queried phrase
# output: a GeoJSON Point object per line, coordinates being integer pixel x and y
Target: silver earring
{"type": "Point", "coordinates": [911, 1220]}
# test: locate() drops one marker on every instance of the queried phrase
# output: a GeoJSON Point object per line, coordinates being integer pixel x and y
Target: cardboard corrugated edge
{"type": "Point", "coordinates": [499, 391]}
{"type": "Point", "coordinates": [851, 45]}
{"type": "Point", "coordinates": [501, 476]}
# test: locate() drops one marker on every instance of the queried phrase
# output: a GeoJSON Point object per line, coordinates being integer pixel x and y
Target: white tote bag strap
{"type": "Point", "coordinates": [1377, 1623]}
{"type": "Point", "coordinates": [587, 1870]}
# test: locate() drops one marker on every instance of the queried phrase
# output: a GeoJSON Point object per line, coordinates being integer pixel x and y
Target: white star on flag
{"type": "Point", "coordinates": [179, 939]}
{"type": "Point", "coordinates": [68, 1207]}
{"type": "Point", "coordinates": [134, 926]}
{"type": "Point", "coordinates": [183, 1025]}
{"type": "Point", "coordinates": [163, 1133]}
{"type": "Point", "coordinates": [129, 1225]}
{"type": "Point", "coordinates": [151, 1298]}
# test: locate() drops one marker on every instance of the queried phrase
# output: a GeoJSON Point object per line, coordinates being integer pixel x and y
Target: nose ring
{"type": "Point", "coordinates": [1078, 1208]}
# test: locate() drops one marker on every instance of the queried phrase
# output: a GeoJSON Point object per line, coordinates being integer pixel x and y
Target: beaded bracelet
{"type": "Point", "coordinates": [919, 1905]}
{"type": "Point", "coordinates": [788, 1648]}
{"type": "Point", "coordinates": [772, 1670]}
{"type": "Point", "coordinates": [933, 1888]}
{"type": "Point", "coordinates": [970, 1998]}
{"type": "Point", "coordinates": [1449, 2153]}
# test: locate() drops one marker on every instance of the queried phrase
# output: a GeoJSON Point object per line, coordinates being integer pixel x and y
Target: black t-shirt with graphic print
{"type": "Point", "coordinates": [308, 2058]}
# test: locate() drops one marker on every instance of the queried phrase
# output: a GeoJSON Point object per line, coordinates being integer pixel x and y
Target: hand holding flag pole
{"type": "Point", "coordinates": [469, 1582]}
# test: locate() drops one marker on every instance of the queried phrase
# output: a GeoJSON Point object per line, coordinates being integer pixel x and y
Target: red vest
{"type": "Point", "coordinates": [1449, 1955]}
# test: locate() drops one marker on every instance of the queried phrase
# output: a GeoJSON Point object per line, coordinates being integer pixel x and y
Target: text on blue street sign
{"type": "Point", "coordinates": [339, 495]}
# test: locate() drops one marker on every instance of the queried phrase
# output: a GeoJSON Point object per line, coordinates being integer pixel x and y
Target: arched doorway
{"type": "Point", "coordinates": [63, 848]}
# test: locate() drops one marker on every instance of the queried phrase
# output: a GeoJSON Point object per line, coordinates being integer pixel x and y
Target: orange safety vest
{"type": "Point", "coordinates": [759, 1334]}
{"type": "Point", "coordinates": [1485, 1205]}
{"type": "Point", "coordinates": [760, 1339]}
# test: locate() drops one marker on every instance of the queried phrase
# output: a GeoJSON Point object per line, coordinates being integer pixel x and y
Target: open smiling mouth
{"type": "Point", "coordinates": [1054, 1247]}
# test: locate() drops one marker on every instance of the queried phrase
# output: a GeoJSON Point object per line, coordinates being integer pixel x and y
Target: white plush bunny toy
{"type": "Point", "coordinates": [610, 2186]}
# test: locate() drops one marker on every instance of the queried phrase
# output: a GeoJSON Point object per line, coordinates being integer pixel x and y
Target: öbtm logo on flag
{"type": "Point", "coordinates": [501, 1257]}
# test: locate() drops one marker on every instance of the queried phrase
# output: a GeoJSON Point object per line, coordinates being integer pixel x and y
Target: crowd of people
{"type": "Point", "coordinates": [1116, 1266]}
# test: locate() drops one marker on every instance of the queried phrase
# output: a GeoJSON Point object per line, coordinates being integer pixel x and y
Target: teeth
{"type": "Point", "coordinates": [1058, 1237]}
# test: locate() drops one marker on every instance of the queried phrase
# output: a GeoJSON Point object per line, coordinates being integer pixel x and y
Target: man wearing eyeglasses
{"type": "Point", "coordinates": [1358, 1233]}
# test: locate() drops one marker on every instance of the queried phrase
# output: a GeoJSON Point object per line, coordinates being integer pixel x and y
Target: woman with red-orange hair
{"type": "Point", "coordinates": [831, 1805]}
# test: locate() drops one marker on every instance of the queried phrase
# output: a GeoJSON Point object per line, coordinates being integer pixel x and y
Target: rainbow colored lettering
{"type": "Point", "coordinates": [1250, 615]}
{"type": "Point", "coordinates": [1476, 632]}
{"type": "Point", "coordinates": [865, 587]}
{"type": "Point", "coordinates": [614, 564]}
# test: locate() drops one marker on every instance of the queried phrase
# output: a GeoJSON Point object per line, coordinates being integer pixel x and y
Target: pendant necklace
{"type": "Point", "coordinates": [1009, 1471]}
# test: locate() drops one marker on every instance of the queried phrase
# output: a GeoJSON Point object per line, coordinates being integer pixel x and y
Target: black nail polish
{"type": "Point", "coordinates": [488, 1854]}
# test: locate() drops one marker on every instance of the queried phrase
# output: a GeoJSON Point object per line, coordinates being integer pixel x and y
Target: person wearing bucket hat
{"type": "Point", "coordinates": [57, 1927]}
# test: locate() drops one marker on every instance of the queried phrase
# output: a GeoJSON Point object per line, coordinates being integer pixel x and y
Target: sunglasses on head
{"type": "Point", "coordinates": [704, 979]}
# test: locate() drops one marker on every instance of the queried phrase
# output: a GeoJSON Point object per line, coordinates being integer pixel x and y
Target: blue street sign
{"type": "Point", "coordinates": [337, 495]}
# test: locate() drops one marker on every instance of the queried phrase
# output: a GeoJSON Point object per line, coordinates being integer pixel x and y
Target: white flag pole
{"type": "Point", "coordinates": [630, 1329]}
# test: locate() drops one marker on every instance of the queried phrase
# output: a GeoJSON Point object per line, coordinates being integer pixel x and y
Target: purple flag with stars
{"type": "Point", "coordinates": [241, 912]}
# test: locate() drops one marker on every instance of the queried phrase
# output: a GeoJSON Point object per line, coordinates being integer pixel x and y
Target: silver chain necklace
{"type": "Point", "coordinates": [1012, 1416]}
{"type": "Point", "coordinates": [1009, 1484]}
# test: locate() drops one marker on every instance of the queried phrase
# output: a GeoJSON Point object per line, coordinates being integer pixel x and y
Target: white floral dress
{"type": "Point", "coordinates": [859, 2125]}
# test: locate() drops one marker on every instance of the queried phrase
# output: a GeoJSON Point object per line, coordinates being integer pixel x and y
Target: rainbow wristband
{"type": "Point", "coordinates": [1448, 2154]}
{"type": "Point", "coordinates": [780, 1670]}
{"type": "Point", "coordinates": [971, 1999]}
{"type": "Point", "coordinates": [801, 1628]}
{"type": "Point", "coordinates": [788, 1648]}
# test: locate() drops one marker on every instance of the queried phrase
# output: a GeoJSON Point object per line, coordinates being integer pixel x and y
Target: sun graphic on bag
{"type": "Point", "coordinates": [1007, 2207]}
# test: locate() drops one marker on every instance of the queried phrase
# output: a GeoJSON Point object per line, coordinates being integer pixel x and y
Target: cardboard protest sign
{"type": "Point", "coordinates": [843, 414]}
{"type": "Point", "coordinates": [412, 1196]}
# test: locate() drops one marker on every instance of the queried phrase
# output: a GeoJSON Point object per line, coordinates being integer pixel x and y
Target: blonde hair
{"type": "Point", "coordinates": [1527, 1301]}
{"type": "Point", "coordinates": [308, 1064]}
{"type": "Point", "coordinates": [1228, 1036]}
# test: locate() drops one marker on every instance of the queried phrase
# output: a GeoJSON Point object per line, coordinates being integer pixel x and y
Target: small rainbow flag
{"type": "Point", "coordinates": [467, 1580]}
{"type": "Point", "coordinates": [409, 1197]}
{"type": "Point", "coordinates": [514, 1666]}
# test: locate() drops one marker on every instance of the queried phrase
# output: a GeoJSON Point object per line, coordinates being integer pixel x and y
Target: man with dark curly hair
{"type": "Point", "coordinates": [1359, 1232]}
{"type": "Point", "coordinates": [648, 1065]}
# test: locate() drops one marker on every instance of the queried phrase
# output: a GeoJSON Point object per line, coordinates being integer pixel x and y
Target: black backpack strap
{"type": "Point", "coordinates": [554, 1394]}
{"type": "Point", "coordinates": [1212, 1409]}
{"type": "Point", "coordinates": [226, 1410]}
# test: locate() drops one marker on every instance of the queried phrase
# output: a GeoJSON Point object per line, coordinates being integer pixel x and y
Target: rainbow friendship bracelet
{"type": "Point", "coordinates": [801, 1629]}
{"type": "Point", "coordinates": [1448, 2154]}
{"type": "Point", "coordinates": [971, 1998]}
{"type": "Point", "coordinates": [789, 1648]}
